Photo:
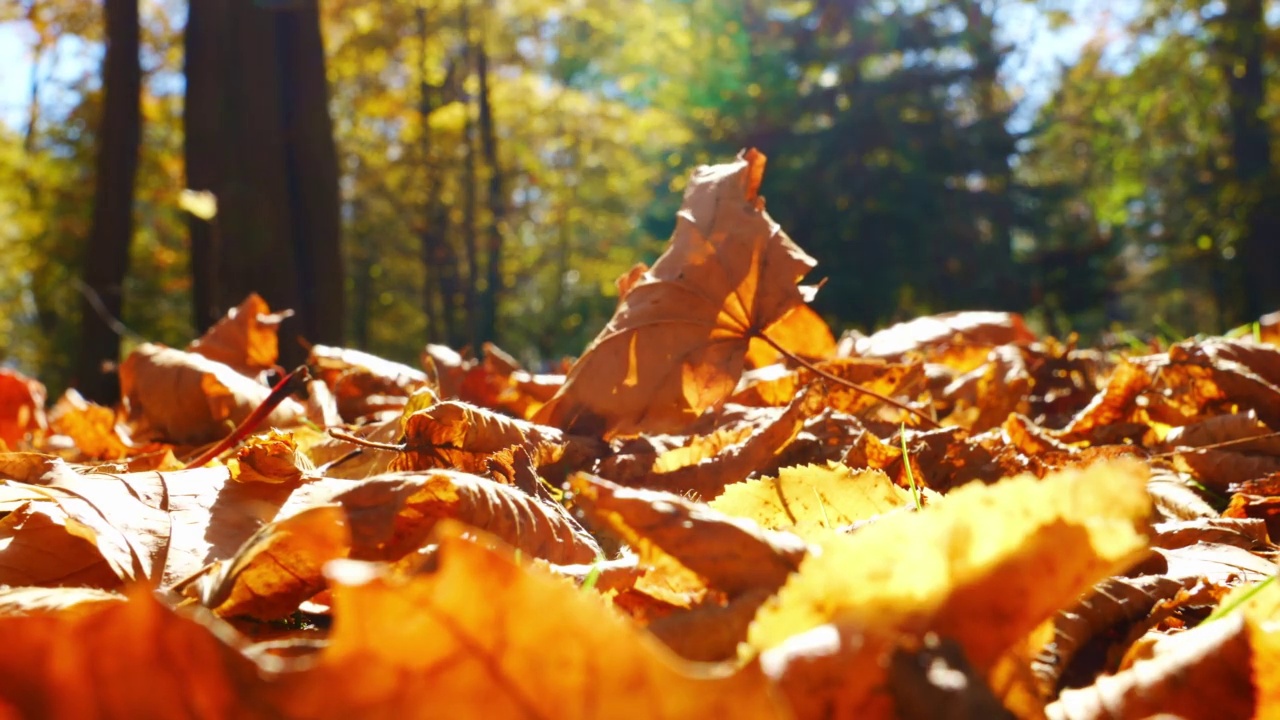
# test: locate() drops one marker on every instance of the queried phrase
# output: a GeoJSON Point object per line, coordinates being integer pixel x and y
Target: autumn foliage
{"type": "Point", "coordinates": [712, 513]}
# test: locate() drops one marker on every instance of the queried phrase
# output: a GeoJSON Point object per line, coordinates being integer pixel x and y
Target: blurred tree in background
{"type": "Point", "coordinates": [487, 168]}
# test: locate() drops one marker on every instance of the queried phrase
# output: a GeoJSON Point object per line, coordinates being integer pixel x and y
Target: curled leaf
{"type": "Point", "coordinates": [677, 342]}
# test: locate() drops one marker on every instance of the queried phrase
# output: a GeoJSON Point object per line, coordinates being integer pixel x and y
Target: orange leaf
{"type": "Point", "coordinates": [56, 665]}
{"type": "Point", "coordinates": [677, 342]}
{"type": "Point", "coordinates": [21, 406]}
{"type": "Point", "coordinates": [246, 338]}
{"type": "Point", "coordinates": [485, 637]}
{"type": "Point", "coordinates": [184, 397]}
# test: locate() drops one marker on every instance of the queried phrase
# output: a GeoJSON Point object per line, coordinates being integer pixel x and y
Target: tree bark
{"type": "Point", "coordinates": [1242, 40]}
{"type": "Point", "coordinates": [107, 260]}
{"type": "Point", "coordinates": [497, 204]}
{"type": "Point", "coordinates": [260, 137]}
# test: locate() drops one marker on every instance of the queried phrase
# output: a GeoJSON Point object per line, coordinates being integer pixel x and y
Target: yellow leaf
{"type": "Point", "coordinates": [983, 567]}
{"type": "Point", "coordinates": [813, 495]}
{"type": "Point", "coordinates": [486, 637]}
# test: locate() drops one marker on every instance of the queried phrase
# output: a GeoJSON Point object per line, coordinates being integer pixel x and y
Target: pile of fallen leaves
{"type": "Point", "coordinates": [721, 510]}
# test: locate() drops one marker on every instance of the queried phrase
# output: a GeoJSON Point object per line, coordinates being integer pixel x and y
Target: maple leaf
{"type": "Point", "coordinates": [677, 343]}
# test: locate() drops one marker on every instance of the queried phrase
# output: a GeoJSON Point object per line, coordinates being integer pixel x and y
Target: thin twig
{"type": "Point", "coordinates": [348, 437]}
{"type": "Point", "coordinates": [930, 422]}
{"type": "Point", "coordinates": [283, 389]}
{"type": "Point", "coordinates": [1215, 446]}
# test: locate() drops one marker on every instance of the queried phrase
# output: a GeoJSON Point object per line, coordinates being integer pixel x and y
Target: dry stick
{"type": "Point", "coordinates": [282, 390]}
{"type": "Point", "coordinates": [354, 440]}
{"type": "Point", "coordinates": [1215, 446]}
{"type": "Point", "coordinates": [839, 380]}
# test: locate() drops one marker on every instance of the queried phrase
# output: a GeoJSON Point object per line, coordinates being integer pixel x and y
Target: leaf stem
{"type": "Point", "coordinates": [930, 422]}
{"type": "Point", "coordinates": [283, 389]}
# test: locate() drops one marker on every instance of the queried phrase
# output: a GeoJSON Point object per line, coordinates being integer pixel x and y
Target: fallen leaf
{"type": "Point", "coordinates": [677, 342]}
{"type": "Point", "coordinates": [392, 515]}
{"type": "Point", "coordinates": [453, 434]}
{"type": "Point", "coordinates": [278, 567]}
{"type": "Point", "coordinates": [161, 665]}
{"type": "Point", "coordinates": [187, 398]}
{"type": "Point", "coordinates": [364, 384]}
{"type": "Point", "coordinates": [731, 554]}
{"type": "Point", "coordinates": [246, 338]}
{"type": "Point", "coordinates": [90, 426]}
{"type": "Point", "coordinates": [475, 638]}
{"type": "Point", "coordinates": [802, 331]}
{"type": "Point", "coordinates": [271, 457]}
{"type": "Point", "coordinates": [960, 340]}
{"type": "Point", "coordinates": [21, 407]}
{"type": "Point", "coordinates": [21, 601]}
{"type": "Point", "coordinates": [1196, 674]}
{"type": "Point", "coordinates": [807, 496]}
{"type": "Point", "coordinates": [984, 567]}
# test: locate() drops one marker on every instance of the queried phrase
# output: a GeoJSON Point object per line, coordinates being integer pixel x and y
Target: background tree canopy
{"type": "Point", "coordinates": [462, 171]}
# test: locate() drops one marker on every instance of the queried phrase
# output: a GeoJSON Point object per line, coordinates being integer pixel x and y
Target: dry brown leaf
{"type": "Point", "coordinates": [476, 638]}
{"type": "Point", "coordinates": [90, 426]}
{"type": "Point", "coordinates": [130, 534]}
{"type": "Point", "coordinates": [246, 338]}
{"type": "Point", "coordinates": [1175, 498]}
{"type": "Point", "coordinates": [710, 632]}
{"type": "Point", "coordinates": [731, 554]}
{"type": "Point", "coordinates": [1220, 469]}
{"type": "Point", "coordinates": [271, 457]}
{"type": "Point", "coordinates": [134, 659]}
{"type": "Point", "coordinates": [499, 383]}
{"type": "Point", "coordinates": [281, 565]}
{"type": "Point", "coordinates": [20, 601]}
{"type": "Point", "coordinates": [363, 384]}
{"type": "Point", "coordinates": [704, 469]}
{"type": "Point", "coordinates": [1247, 533]}
{"type": "Point", "coordinates": [188, 398]}
{"type": "Point", "coordinates": [21, 407]}
{"type": "Point", "coordinates": [1214, 563]}
{"type": "Point", "coordinates": [452, 434]}
{"type": "Point", "coordinates": [41, 545]}
{"type": "Point", "coordinates": [677, 342]}
{"type": "Point", "coordinates": [802, 331]}
{"type": "Point", "coordinates": [392, 515]}
{"type": "Point", "coordinates": [983, 567]}
{"type": "Point", "coordinates": [888, 379]}
{"type": "Point", "coordinates": [987, 395]}
{"type": "Point", "coordinates": [1197, 674]}
{"type": "Point", "coordinates": [1107, 614]}
{"type": "Point", "coordinates": [931, 679]}
{"type": "Point", "coordinates": [1223, 429]}
{"type": "Point", "coordinates": [959, 340]}
{"type": "Point", "coordinates": [1113, 404]}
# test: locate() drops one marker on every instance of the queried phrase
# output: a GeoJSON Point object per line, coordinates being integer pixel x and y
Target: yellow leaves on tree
{"type": "Point", "coordinates": [677, 342]}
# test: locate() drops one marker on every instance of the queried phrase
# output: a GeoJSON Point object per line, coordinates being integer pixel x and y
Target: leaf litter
{"type": "Point", "coordinates": [710, 511]}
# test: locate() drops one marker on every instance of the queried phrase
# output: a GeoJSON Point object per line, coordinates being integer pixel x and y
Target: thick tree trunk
{"type": "Point", "coordinates": [260, 137]}
{"type": "Point", "coordinates": [1243, 43]}
{"type": "Point", "coordinates": [117, 167]}
{"type": "Point", "coordinates": [497, 205]}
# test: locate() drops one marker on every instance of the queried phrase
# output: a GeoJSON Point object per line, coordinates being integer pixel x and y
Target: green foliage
{"type": "Point", "coordinates": [886, 126]}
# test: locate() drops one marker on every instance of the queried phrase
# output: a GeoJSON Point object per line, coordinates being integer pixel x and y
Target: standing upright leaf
{"type": "Point", "coordinates": [677, 342]}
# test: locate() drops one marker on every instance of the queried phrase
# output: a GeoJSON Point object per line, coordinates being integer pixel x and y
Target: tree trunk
{"type": "Point", "coordinates": [260, 137]}
{"type": "Point", "coordinates": [117, 167]}
{"type": "Point", "coordinates": [497, 204]}
{"type": "Point", "coordinates": [1242, 40]}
